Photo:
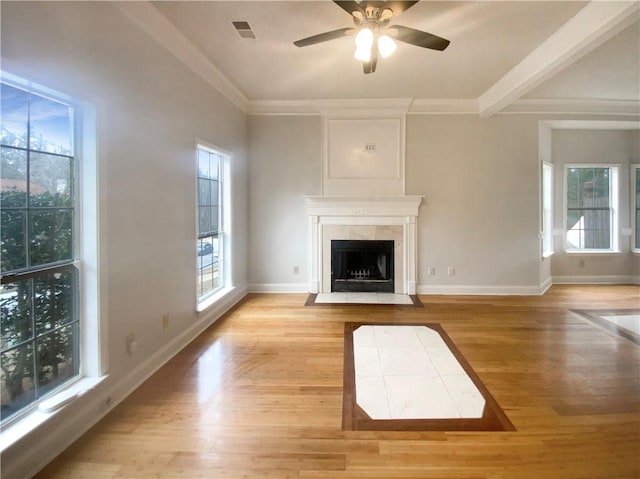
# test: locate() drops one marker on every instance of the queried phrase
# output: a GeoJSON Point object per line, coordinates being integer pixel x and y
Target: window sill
{"type": "Point", "coordinates": [594, 252]}
{"type": "Point", "coordinates": [548, 254]}
{"type": "Point", "coordinates": [47, 409]}
{"type": "Point", "coordinates": [213, 299]}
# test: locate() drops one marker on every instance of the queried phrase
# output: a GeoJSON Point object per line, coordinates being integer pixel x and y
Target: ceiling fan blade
{"type": "Point", "coordinates": [323, 37]}
{"type": "Point", "coordinates": [420, 38]}
{"type": "Point", "coordinates": [399, 7]}
{"type": "Point", "coordinates": [348, 6]}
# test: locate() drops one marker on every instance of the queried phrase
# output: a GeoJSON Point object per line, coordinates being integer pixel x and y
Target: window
{"type": "Point", "coordinates": [547, 209]}
{"type": "Point", "coordinates": [211, 221]}
{"type": "Point", "coordinates": [591, 208]}
{"type": "Point", "coordinates": [635, 188]}
{"type": "Point", "coordinates": [39, 292]}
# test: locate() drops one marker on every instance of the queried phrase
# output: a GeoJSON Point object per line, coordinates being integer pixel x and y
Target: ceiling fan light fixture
{"type": "Point", "coordinates": [364, 38]}
{"type": "Point", "coordinates": [386, 45]}
{"type": "Point", "coordinates": [363, 54]}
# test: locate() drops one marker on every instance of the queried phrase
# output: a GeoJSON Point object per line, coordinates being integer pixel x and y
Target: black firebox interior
{"type": "Point", "coordinates": [361, 265]}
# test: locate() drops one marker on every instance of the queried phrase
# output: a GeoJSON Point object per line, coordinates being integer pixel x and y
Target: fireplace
{"type": "Point", "coordinates": [392, 219]}
{"type": "Point", "coordinates": [362, 265]}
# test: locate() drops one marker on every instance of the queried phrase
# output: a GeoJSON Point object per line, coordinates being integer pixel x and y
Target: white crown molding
{"type": "Point", "coordinates": [444, 106]}
{"type": "Point", "coordinates": [440, 106]}
{"type": "Point", "coordinates": [575, 106]}
{"type": "Point", "coordinates": [588, 29]}
{"type": "Point", "coordinates": [589, 125]}
{"type": "Point", "coordinates": [283, 107]}
{"type": "Point", "coordinates": [151, 21]}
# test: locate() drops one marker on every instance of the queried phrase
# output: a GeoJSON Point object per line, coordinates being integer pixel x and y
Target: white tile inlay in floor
{"type": "Point", "coordinates": [360, 298]}
{"type": "Point", "coordinates": [630, 322]}
{"type": "Point", "coordinates": [409, 372]}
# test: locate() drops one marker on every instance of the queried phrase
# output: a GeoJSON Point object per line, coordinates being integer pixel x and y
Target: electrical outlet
{"type": "Point", "coordinates": [581, 263]}
{"type": "Point", "coordinates": [431, 271]}
{"type": "Point", "coordinates": [165, 321]}
{"type": "Point", "coordinates": [296, 270]}
{"type": "Point", "coordinates": [132, 344]}
{"type": "Point", "coordinates": [451, 271]}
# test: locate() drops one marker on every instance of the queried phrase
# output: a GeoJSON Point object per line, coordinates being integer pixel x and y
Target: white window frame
{"type": "Point", "coordinates": [614, 195]}
{"type": "Point", "coordinates": [633, 206]}
{"type": "Point", "coordinates": [546, 219]}
{"type": "Point", "coordinates": [93, 341]}
{"type": "Point", "coordinates": [225, 253]}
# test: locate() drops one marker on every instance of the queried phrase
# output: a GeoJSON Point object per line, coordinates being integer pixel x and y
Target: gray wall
{"type": "Point", "coordinates": [480, 215]}
{"type": "Point", "coordinates": [150, 109]}
{"type": "Point", "coordinates": [285, 164]}
{"type": "Point", "coordinates": [480, 182]}
{"type": "Point", "coordinates": [621, 147]}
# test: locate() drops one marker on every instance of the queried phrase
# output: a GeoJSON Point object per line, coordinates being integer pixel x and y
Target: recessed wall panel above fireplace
{"type": "Point", "coordinates": [364, 156]}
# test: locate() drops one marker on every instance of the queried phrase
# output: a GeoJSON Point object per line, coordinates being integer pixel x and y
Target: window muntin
{"type": "Point", "coordinates": [210, 229]}
{"type": "Point", "coordinates": [39, 321]}
{"type": "Point", "coordinates": [591, 193]}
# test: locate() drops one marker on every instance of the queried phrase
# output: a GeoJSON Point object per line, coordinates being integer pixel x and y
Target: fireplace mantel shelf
{"type": "Point", "coordinates": [363, 206]}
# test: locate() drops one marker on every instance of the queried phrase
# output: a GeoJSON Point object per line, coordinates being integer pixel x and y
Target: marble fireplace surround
{"type": "Point", "coordinates": [363, 218]}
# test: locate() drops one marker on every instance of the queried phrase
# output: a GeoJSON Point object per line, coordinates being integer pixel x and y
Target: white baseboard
{"type": "Point", "coordinates": [545, 285]}
{"type": "Point", "coordinates": [36, 450]}
{"type": "Point", "coordinates": [279, 287]}
{"type": "Point", "coordinates": [613, 279]}
{"type": "Point", "coordinates": [499, 290]}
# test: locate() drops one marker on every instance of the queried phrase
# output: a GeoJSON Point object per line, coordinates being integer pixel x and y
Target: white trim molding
{"type": "Point", "coordinates": [477, 290]}
{"type": "Point", "coordinates": [597, 279]}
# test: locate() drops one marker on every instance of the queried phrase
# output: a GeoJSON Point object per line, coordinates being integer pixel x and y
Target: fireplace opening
{"type": "Point", "coordinates": [362, 266]}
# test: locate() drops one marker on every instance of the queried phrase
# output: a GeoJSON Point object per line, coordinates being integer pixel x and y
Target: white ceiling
{"type": "Point", "coordinates": [488, 41]}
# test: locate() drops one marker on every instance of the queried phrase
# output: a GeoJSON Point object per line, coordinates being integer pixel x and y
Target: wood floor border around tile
{"type": "Point", "coordinates": [354, 418]}
{"type": "Point", "coordinates": [595, 316]}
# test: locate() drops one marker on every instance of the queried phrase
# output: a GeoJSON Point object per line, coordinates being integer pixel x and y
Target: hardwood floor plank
{"type": "Point", "coordinates": [259, 395]}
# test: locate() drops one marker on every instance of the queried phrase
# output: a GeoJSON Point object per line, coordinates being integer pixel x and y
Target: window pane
{"type": "Point", "coordinates": [50, 126]}
{"type": "Point", "coordinates": [54, 300]}
{"type": "Point", "coordinates": [15, 310]}
{"type": "Point", "coordinates": [17, 379]}
{"type": "Point", "coordinates": [56, 357]}
{"type": "Point", "coordinates": [13, 254]}
{"type": "Point", "coordinates": [204, 192]}
{"type": "Point", "coordinates": [597, 227]}
{"type": "Point", "coordinates": [50, 180]}
{"type": "Point", "coordinates": [203, 163]}
{"type": "Point", "coordinates": [215, 166]}
{"type": "Point", "coordinates": [51, 234]}
{"type": "Point", "coordinates": [14, 115]}
{"type": "Point", "coordinates": [13, 181]}
{"type": "Point", "coordinates": [204, 219]}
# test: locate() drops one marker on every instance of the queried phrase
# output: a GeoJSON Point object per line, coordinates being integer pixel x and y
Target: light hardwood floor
{"type": "Point", "coordinates": [259, 395]}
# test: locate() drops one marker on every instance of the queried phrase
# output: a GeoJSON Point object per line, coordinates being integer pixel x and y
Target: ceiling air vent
{"type": "Point", "coordinates": [244, 29]}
